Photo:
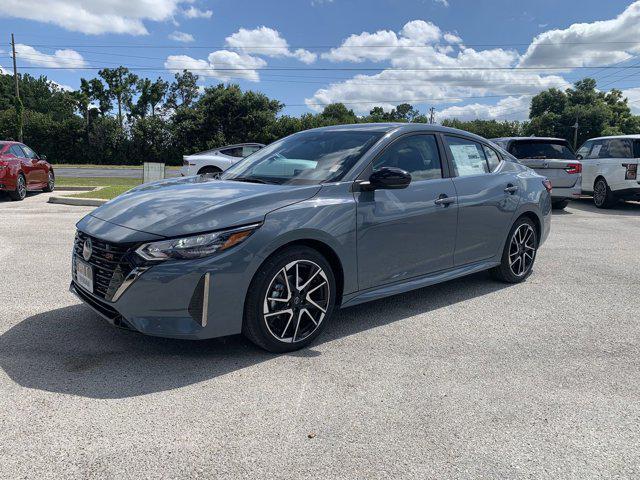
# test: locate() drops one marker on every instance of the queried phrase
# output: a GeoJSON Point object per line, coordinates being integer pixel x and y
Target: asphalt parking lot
{"type": "Point", "coordinates": [469, 379]}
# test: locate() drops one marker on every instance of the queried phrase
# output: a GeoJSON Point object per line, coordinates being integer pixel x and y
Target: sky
{"type": "Point", "coordinates": [467, 58]}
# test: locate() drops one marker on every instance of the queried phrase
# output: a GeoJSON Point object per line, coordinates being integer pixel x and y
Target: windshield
{"type": "Point", "coordinates": [538, 149]}
{"type": "Point", "coordinates": [305, 158]}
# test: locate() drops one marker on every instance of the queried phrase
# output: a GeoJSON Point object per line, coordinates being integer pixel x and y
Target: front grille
{"type": "Point", "coordinates": [111, 263]}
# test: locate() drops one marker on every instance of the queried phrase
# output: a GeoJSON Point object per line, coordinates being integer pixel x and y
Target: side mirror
{"type": "Point", "coordinates": [579, 157]}
{"type": "Point", "coordinates": [389, 178]}
{"type": "Point", "coordinates": [43, 157]}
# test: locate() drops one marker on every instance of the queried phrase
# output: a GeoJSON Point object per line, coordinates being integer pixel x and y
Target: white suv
{"type": "Point", "coordinates": [216, 160]}
{"type": "Point", "coordinates": [610, 169]}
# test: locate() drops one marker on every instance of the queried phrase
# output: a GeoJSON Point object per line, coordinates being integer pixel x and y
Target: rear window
{"type": "Point", "coordinates": [541, 149]}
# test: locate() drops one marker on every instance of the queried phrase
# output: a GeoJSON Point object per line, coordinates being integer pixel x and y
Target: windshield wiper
{"type": "Point", "coordinates": [247, 179]}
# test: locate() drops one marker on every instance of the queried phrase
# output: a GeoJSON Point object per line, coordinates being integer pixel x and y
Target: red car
{"type": "Point", "coordinates": [22, 169]}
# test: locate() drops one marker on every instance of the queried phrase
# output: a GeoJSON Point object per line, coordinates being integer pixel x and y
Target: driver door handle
{"type": "Point", "coordinates": [444, 200]}
{"type": "Point", "coordinates": [511, 189]}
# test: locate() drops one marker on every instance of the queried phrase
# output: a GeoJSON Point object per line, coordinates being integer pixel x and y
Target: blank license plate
{"type": "Point", "coordinates": [84, 275]}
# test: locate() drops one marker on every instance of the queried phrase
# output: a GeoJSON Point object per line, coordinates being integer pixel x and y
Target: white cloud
{"type": "Point", "coordinates": [444, 3]}
{"type": "Point", "coordinates": [384, 44]}
{"type": "Point", "coordinates": [181, 37]}
{"type": "Point", "coordinates": [94, 16]}
{"type": "Point", "coordinates": [633, 94]}
{"type": "Point", "coordinates": [420, 71]}
{"type": "Point", "coordinates": [510, 108]}
{"type": "Point", "coordinates": [193, 12]}
{"type": "Point", "coordinates": [59, 59]}
{"type": "Point", "coordinates": [224, 65]}
{"type": "Point", "coordinates": [267, 42]}
{"type": "Point", "coordinates": [585, 44]}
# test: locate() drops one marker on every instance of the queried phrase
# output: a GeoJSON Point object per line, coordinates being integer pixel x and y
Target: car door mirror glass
{"type": "Point", "coordinates": [43, 157]}
{"type": "Point", "coordinates": [579, 157]}
{"type": "Point", "coordinates": [389, 178]}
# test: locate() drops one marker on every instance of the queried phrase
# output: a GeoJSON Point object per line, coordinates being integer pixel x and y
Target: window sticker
{"type": "Point", "coordinates": [596, 150]}
{"type": "Point", "coordinates": [468, 159]}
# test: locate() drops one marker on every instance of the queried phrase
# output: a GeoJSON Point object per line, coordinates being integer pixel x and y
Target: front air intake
{"type": "Point", "coordinates": [199, 304]}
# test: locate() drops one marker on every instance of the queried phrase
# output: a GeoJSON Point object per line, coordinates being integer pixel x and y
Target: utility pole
{"type": "Point", "coordinates": [432, 115]}
{"type": "Point", "coordinates": [15, 80]}
{"type": "Point", "coordinates": [575, 134]}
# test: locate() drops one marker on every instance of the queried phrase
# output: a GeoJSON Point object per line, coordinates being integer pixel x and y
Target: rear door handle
{"type": "Point", "coordinates": [511, 189]}
{"type": "Point", "coordinates": [444, 200]}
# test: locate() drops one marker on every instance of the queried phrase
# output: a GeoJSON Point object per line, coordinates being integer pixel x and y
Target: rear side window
{"type": "Point", "coordinates": [636, 148]}
{"type": "Point", "coordinates": [232, 152]}
{"type": "Point", "coordinates": [492, 158]}
{"type": "Point", "coordinates": [416, 154]}
{"type": "Point", "coordinates": [468, 157]}
{"type": "Point", "coordinates": [17, 151]}
{"type": "Point", "coordinates": [616, 148]}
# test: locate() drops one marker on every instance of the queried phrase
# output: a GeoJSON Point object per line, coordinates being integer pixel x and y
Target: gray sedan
{"type": "Point", "coordinates": [321, 219]}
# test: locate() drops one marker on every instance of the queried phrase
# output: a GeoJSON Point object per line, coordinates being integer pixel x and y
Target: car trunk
{"type": "Point", "coordinates": [554, 169]}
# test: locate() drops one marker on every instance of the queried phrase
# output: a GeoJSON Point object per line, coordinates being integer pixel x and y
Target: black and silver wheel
{"type": "Point", "coordinates": [290, 300]}
{"type": "Point", "coordinates": [21, 189]}
{"type": "Point", "coordinates": [51, 183]}
{"type": "Point", "coordinates": [519, 252]}
{"type": "Point", "coordinates": [602, 195]}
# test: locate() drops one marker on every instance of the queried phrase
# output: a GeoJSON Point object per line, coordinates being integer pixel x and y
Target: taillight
{"type": "Point", "coordinates": [574, 168]}
{"type": "Point", "coordinates": [632, 171]}
{"type": "Point", "coordinates": [547, 184]}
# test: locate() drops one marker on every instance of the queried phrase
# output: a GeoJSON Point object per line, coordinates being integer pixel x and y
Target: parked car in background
{"type": "Point", "coordinates": [217, 160]}
{"type": "Point", "coordinates": [322, 219]}
{"type": "Point", "coordinates": [551, 157]}
{"type": "Point", "coordinates": [610, 169]}
{"type": "Point", "coordinates": [23, 170]}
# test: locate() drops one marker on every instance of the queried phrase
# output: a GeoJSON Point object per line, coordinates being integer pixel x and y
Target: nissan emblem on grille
{"type": "Point", "coordinates": [87, 250]}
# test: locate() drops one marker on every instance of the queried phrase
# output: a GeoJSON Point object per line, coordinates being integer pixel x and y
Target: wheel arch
{"type": "Point", "coordinates": [531, 215]}
{"type": "Point", "coordinates": [595, 180]}
{"type": "Point", "coordinates": [323, 249]}
{"type": "Point", "coordinates": [213, 168]}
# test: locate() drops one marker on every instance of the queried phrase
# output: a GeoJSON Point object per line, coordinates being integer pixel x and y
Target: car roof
{"type": "Point", "coordinates": [398, 127]}
{"type": "Point", "coordinates": [631, 137]}
{"type": "Point", "coordinates": [542, 139]}
{"type": "Point", "coordinates": [236, 145]}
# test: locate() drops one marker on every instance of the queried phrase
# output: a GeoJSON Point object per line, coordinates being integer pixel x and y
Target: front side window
{"type": "Point", "coordinates": [232, 152]}
{"type": "Point", "coordinates": [616, 148]}
{"type": "Point", "coordinates": [305, 158]}
{"type": "Point", "coordinates": [248, 150]}
{"type": "Point", "coordinates": [416, 154]}
{"type": "Point", "coordinates": [595, 149]}
{"type": "Point", "coordinates": [468, 157]}
{"type": "Point", "coordinates": [17, 151]}
{"type": "Point", "coordinates": [28, 152]}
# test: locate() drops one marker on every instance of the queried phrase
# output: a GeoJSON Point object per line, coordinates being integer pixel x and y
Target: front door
{"type": "Point", "coordinates": [409, 232]}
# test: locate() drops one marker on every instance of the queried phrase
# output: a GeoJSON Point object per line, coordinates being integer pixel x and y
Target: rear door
{"type": "Point", "coordinates": [552, 159]}
{"type": "Point", "coordinates": [38, 167]}
{"type": "Point", "coordinates": [612, 161]}
{"type": "Point", "coordinates": [488, 196]}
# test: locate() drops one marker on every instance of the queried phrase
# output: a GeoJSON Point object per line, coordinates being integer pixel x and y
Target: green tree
{"type": "Point", "coordinates": [121, 85]}
{"type": "Point", "coordinates": [183, 91]}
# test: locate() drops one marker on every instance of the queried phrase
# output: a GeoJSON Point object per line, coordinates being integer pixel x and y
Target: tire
{"type": "Point", "coordinates": [560, 204]}
{"type": "Point", "coordinates": [306, 311]}
{"type": "Point", "coordinates": [519, 253]}
{"type": "Point", "coordinates": [20, 192]}
{"type": "Point", "coordinates": [215, 171]}
{"type": "Point", "coordinates": [51, 184]}
{"type": "Point", "coordinates": [603, 197]}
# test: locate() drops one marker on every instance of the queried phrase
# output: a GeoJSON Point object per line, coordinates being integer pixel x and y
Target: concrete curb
{"type": "Point", "coordinates": [76, 189]}
{"type": "Point", "coordinates": [80, 202]}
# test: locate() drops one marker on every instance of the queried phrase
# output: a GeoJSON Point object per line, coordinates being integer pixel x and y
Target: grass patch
{"type": "Point", "coordinates": [106, 193]}
{"type": "Point", "coordinates": [97, 182]}
{"type": "Point", "coordinates": [117, 167]}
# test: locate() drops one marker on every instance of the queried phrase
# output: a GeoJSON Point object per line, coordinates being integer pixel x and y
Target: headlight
{"type": "Point", "coordinates": [196, 246]}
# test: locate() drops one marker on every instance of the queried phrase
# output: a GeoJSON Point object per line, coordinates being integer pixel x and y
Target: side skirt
{"type": "Point", "coordinates": [414, 283]}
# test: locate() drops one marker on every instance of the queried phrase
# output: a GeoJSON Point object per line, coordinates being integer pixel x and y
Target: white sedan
{"type": "Point", "coordinates": [216, 160]}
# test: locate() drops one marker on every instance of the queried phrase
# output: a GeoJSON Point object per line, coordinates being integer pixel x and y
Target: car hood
{"type": "Point", "coordinates": [189, 205]}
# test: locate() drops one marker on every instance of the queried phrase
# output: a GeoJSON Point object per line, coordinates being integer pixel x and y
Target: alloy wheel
{"type": "Point", "coordinates": [22, 187]}
{"type": "Point", "coordinates": [599, 192]}
{"type": "Point", "coordinates": [296, 301]}
{"type": "Point", "coordinates": [522, 250]}
{"type": "Point", "coordinates": [51, 182]}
